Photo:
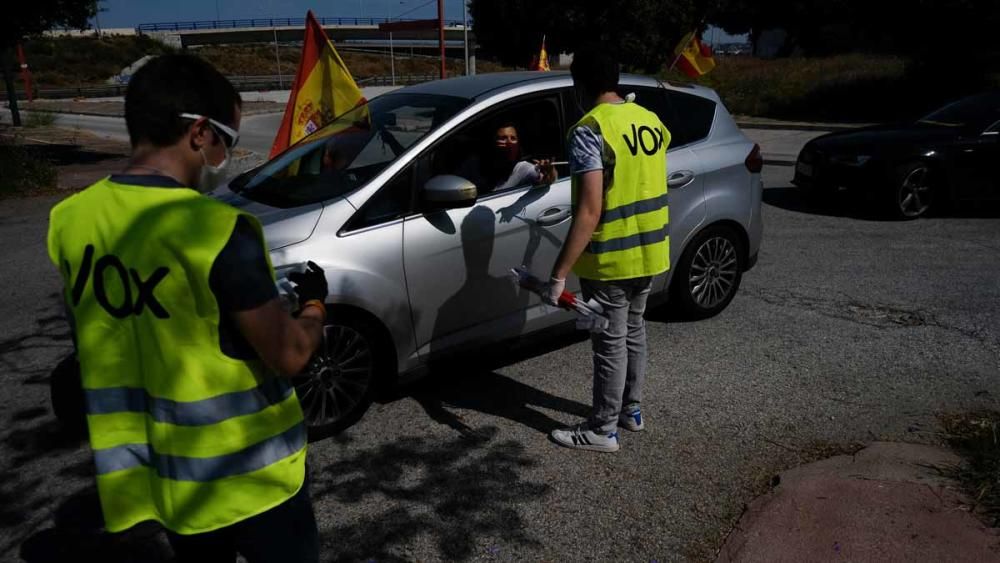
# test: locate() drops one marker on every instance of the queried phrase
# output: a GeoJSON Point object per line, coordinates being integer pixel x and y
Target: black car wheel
{"type": "Point", "coordinates": [709, 273]}
{"type": "Point", "coordinates": [340, 381]}
{"type": "Point", "coordinates": [913, 191]}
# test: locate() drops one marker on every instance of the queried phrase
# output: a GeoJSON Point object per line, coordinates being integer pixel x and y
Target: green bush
{"type": "Point", "coordinates": [22, 172]}
{"type": "Point", "coordinates": [39, 118]}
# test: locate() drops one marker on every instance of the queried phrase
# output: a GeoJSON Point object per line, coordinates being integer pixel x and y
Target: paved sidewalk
{"type": "Point", "coordinates": [888, 502]}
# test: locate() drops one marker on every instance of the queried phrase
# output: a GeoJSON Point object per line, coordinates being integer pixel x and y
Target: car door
{"type": "Point", "coordinates": [458, 261]}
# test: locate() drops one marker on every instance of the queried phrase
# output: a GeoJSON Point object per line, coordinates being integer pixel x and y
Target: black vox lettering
{"type": "Point", "coordinates": [144, 296]}
{"type": "Point", "coordinates": [639, 140]}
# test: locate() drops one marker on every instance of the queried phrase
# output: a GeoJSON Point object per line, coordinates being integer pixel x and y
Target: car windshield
{"type": "Point", "coordinates": [974, 112]}
{"type": "Point", "coordinates": [347, 152]}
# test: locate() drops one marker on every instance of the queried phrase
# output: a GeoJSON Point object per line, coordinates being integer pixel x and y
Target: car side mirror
{"type": "Point", "coordinates": [449, 192]}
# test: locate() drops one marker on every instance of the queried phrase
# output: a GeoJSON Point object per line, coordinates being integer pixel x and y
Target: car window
{"type": "Point", "coordinates": [496, 150]}
{"type": "Point", "coordinates": [695, 116]}
{"type": "Point", "coordinates": [393, 201]}
{"type": "Point", "coordinates": [348, 152]}
{"type": "Point", "coordinates": [973, 112]}
{"type": "Point", "coordinates": [655, 100]}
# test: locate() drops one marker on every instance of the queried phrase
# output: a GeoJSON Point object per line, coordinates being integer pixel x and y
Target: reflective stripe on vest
{"type": "Point", "coordinates": [202, 469]}
{"type": "Point", "coordinates": [188, 413]}
{"type": "Point", "coordinates": [631, 239]}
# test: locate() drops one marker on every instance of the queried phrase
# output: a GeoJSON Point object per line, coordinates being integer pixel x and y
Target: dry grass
{"type": "Point", "coordinates": [974, 436]}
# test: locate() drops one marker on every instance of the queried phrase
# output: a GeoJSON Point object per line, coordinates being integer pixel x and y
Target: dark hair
{"type": "Point", "coordinates": [595, 70]}
{"type": "Point", "coordinates": [170, 85]}
{"type": "Point", "coordinates": [505, 123]}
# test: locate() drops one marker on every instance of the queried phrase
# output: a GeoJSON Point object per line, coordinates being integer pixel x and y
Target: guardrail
{"type": "Point", "coordinates": [242, 84]}
{"type": "Point", "coordinates": [268, 22]}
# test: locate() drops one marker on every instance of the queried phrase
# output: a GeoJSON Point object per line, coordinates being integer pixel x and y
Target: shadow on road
{"type": "Point", "coordinates": [78, 536]}
{"type": "Point", "coordinates": [456, 491]}
{"type": "Point", "coordinates": [66, 154]}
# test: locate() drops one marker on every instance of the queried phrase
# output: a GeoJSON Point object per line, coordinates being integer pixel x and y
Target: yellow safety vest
{"type": "Point", "coordinates": [632, 239]}
{"type": "Point", "coordinates": [181, 433]}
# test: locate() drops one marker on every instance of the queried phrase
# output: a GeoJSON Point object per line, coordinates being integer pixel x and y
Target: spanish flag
{"type": "Point", "coordinates": [693, 57]}
{"type": "Point", "coordinates": [323, 89]}
{"type": "Point", "coordinates": [541, 62]}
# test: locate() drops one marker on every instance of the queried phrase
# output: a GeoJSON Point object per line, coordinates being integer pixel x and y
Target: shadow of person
{"type": "Point", "coordinates": [487, 307]}
{"type": "Point", "coordinates": [78, 535]}
{"type": "Point", "coordinates": [492, 394]}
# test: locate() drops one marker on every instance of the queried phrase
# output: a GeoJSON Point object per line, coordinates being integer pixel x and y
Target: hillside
{"type": "Point", "coordinates": [86, 61]}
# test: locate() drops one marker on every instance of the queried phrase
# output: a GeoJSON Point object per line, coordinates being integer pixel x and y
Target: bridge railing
{"type": "Point", "coordinates": [267, 22]}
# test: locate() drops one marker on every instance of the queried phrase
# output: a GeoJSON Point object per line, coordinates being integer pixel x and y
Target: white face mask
{"type": "Point", "coordinates": [212, 176]}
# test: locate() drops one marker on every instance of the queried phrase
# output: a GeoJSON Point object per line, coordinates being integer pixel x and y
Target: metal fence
{"type": "Point", "coordinates": [242, 83]}
{"type": "Point", "coordinates": [268, 22]}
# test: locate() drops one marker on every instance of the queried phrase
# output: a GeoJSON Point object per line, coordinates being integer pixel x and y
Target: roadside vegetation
{"type": "Point", "coordinates": [847, 88]}
{"type": "Point", "coordinates": [974, 436]}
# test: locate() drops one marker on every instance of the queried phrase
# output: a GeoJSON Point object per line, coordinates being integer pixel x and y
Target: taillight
{"type": "Point", "coordinates": [754, 161]}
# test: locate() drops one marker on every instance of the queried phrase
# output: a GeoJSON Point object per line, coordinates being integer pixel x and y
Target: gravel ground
{"type": "Point", "coordinates": [848, 330]}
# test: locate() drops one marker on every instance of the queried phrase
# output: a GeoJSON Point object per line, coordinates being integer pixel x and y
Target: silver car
{"type": "Point", "coordinates": [418, 257]}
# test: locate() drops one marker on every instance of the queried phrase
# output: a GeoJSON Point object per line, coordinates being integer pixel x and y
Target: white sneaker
{"type": "Point", "coordinates": [631, 421]}
{"type": "Point", "coordinates": [582, 438]}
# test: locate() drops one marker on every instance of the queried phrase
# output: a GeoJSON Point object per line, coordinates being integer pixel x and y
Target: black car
{"type": "Point", "coordinates": [951, 155]}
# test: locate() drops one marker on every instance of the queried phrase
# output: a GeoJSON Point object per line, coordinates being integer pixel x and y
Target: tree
{"type": "Point", "coordinates": [31, 17]}
{"type": "Point", "coordinates": [641, 33]}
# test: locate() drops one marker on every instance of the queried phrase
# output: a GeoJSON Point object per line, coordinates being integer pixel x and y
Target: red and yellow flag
{"type": "Point", "coordinates": [323, 89]}
{"type": "Point", "coordinates": [693, 57]}
{"type": "Point", "coordinates": [541, 61]}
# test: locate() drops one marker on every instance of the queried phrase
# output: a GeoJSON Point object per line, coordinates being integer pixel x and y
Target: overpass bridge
{"type": "Point", "coordinates": [291, 30]}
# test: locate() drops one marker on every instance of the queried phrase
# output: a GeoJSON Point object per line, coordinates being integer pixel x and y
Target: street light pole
{"type": "Point", "coordinates": [444, 72]}
{"type": "Point", "coordinates": [465, 29]}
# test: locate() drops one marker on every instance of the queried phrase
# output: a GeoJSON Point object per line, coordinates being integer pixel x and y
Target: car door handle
{"type": "Point", "coordinates": [680, 179]}
{"type": "Point", "coordinates": [554, 215]}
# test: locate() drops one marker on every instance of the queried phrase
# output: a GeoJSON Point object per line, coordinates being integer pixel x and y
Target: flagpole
{"type": "Point", "coordinates": [679, 55]}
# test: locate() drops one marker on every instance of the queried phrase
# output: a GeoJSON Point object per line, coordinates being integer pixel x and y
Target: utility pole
{"type": "Point", "coordinates": [15, 114]}
{"type": "Point", "coordinates": [465, 30]}
{"type": "Point", "coordinates": [392, 60]}
{"type": "Point", "coordinates": [277, 58]}
{"type": "Point", "coordinates": [444, 71]}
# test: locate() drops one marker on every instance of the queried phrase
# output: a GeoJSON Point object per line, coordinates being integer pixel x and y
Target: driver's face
{"type": "Point", "coordinates": [506, 137]}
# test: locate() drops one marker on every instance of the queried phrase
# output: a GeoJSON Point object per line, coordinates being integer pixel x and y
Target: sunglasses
{"type": "Point", "coordinates": [228, 135]}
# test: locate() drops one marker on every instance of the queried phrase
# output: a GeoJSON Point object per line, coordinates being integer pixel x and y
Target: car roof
{"type": "Point", "coordinates": [485, 85]}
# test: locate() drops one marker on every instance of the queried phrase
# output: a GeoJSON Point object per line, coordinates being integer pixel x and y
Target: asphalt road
{"type": "Point", "coordinates": [849, 329]}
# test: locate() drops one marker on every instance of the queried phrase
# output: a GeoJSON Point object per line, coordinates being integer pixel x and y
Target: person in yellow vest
{"type": "Point", "coordinates": [182, 339]}
{"type": "Point", "coordinates": [617, 242]}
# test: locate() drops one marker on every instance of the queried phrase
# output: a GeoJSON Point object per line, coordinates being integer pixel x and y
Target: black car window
{"type": "Point", "coordinates": [393, 201]}
{"type": "Point", "coordinates": [473, 152]}
{"type": "Point", "coordinates": [655, 101]}
{"type": "Point", "coordinates": [974, 112]}
{"type": "Point", "coordinates": [695, 116]}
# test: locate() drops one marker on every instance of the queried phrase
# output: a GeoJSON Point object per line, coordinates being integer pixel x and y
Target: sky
{"type": "Point", "coordinates": [129, 13]}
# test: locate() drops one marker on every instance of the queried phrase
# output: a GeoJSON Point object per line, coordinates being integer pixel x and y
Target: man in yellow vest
{"type": "Point", "coordinates": [181, 336]}
{"type": "Point", "coordinates": [618, 241]}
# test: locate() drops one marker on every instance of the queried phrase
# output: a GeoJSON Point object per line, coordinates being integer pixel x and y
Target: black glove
{"type": "Point", "coordinates": [310, 284]}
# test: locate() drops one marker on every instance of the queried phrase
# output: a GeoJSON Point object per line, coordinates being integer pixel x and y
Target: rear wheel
{"type": "Point", "coordinates": [338, 385]}
{"type": "Point", "coordinates": [709, 273]}
{"type": "Point", "coordinates": [913, 191]}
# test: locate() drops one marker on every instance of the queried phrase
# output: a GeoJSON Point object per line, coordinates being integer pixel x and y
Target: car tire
{"type": "Point", "coordinates": [344, 376]}
{"type": "Point", "coordinates": [913, 191]}
{"type": "Point", "coordinates": [709, 273]}
{"type": "Point", "coordinates": [66, 394]}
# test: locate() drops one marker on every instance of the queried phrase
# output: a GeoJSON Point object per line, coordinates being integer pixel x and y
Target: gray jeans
{"type": "Point", "coordinates": [619, 351]}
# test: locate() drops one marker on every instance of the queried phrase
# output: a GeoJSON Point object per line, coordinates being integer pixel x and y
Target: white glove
{"type": "Point", "coordinates": [553, 290]}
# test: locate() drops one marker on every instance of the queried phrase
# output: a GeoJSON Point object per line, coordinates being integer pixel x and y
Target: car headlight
{"type": "Point", "coordinates": [851, 159]}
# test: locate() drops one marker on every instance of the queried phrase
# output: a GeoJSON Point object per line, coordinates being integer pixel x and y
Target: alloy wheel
{"type": "Point", "coordinates": [714, 272]}
{"type": "Point", "coordinates": [914, 195]}
{"type": "Point", "coordinates": [337, 378]}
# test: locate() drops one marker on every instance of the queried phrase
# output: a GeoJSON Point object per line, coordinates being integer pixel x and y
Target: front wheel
{"type": "Point", "coordinates": [708, 273]}
{"type": "Point", "coordinates": [338, 385]}
{"type": "Point", "coordinates": [912, 192]}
